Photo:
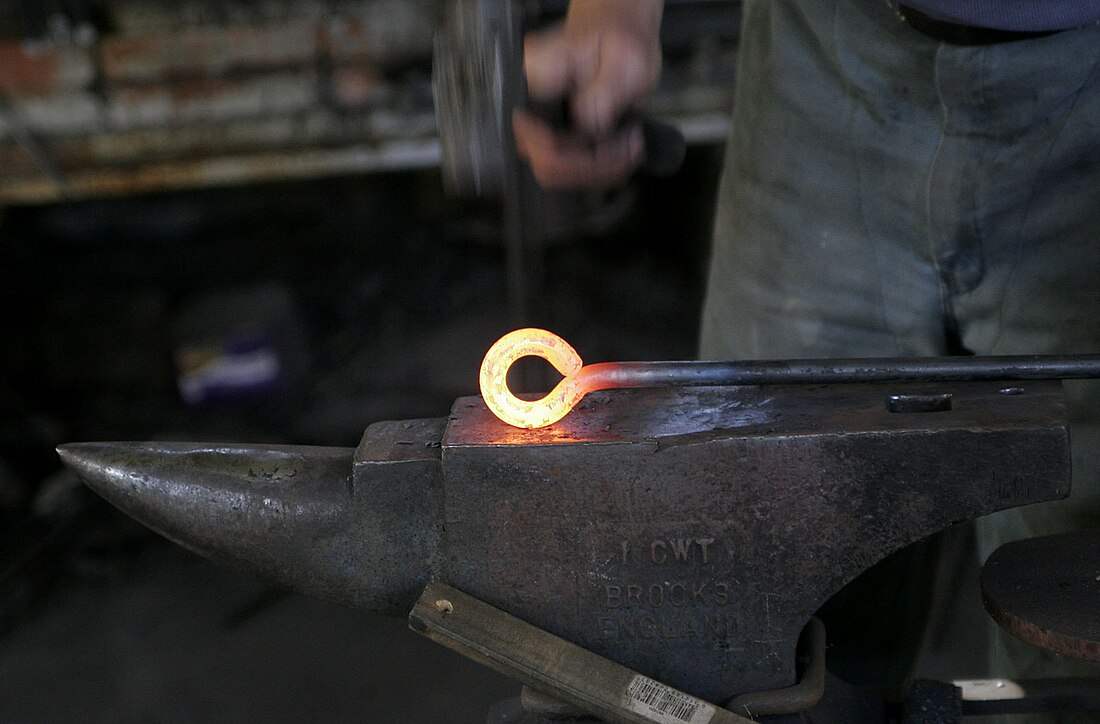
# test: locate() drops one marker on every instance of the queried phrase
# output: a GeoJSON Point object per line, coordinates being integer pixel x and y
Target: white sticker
{"type": "Point", "coordinates": [665, 705]}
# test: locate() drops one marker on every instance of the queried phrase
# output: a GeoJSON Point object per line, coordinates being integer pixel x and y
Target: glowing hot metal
{"type": "Point", "coordinates": [531, 342]}
{"type": "Point", "coordinates": [577, 380]}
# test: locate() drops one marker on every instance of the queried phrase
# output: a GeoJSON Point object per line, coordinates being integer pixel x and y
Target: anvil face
{"type": "Point", "coordinates": [690, 533]}
{"type": "Point", "coordinates": [686, 533]}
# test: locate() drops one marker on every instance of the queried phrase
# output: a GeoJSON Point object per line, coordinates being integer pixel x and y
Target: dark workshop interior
{"type": "Point", "coordinates": [223, 220]}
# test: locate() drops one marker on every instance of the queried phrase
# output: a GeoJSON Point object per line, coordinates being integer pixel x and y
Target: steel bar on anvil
{"type": "Point", "coordinates": [686, 533]}
{"type": "Point", "coordinates": [612, 375]}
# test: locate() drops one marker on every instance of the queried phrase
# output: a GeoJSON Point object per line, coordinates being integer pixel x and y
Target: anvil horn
{"type": "Point", "coordinates": [295, 514]}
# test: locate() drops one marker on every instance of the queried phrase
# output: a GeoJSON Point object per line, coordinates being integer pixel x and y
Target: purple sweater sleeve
{"type": "Point", "coordinates": [1018, 15]}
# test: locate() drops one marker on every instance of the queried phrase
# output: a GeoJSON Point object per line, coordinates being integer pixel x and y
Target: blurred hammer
{"type": "Point", "coordinates": [478, 80]}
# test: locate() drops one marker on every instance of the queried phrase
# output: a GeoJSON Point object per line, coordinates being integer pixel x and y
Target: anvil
{"type": "Point", "coordinates": [687, 533]}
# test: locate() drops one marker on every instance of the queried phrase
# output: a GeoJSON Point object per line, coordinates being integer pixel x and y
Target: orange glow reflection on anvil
{"type": "Point", "coordinates": [531, 342]}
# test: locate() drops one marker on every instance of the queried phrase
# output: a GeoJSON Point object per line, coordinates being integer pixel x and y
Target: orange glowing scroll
{"type": "Point", "coordinates": [557, 403]}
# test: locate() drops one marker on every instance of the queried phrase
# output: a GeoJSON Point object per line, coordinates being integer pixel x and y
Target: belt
{"type": "Point", "coordinates": [956, 34]}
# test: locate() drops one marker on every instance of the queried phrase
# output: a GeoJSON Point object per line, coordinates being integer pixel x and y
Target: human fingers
{"type": "Point", "coordinates": [623, 73]}
{"type": "Point", "coordinates": [552, 61]}
{"type": "Point", "coordinates": [563, 161]}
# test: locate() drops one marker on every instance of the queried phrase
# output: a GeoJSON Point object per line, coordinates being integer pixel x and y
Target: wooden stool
{"type": "Point", "coordinates": [1046, 591]}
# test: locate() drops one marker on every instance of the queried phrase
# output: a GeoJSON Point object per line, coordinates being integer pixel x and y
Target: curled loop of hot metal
{"type": "Point", "coordinates": [547, 410]}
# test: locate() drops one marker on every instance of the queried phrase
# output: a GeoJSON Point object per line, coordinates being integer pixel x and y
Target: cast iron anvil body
{"type": "Point", "coordinates": [687, 533]}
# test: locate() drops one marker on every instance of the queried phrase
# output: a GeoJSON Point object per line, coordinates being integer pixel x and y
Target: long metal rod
{"type": "Point", "coordinates": [580, 379]}
{"type": "Point", "coordinates": [608, 375]}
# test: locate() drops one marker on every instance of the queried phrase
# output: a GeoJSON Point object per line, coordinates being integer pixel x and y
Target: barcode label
{"type": "Point", "coordinates": [664, 704]}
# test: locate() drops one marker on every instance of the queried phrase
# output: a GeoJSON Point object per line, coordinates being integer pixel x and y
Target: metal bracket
{"type": "Point", "coordinates": [803, 695]}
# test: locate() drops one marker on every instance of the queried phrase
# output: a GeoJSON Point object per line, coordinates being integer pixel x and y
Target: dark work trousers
{"type": "Point", "coordinates": [887, 194]}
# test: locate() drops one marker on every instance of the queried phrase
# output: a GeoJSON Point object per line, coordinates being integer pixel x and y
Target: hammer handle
{"type": "Point", "coordinates": [665, 146]}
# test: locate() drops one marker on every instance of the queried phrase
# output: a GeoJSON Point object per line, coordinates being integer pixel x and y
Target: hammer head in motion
{"type": "Point", "coordinates": [686, 533]}
{"type": "Point", "coordinates": [477, 80]}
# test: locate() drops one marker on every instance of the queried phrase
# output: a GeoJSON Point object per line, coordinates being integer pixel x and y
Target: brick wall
{"type": "Point", "coordinates": [177, 80]}
{"type": "Point", "coordinates": [263, 87]}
